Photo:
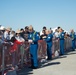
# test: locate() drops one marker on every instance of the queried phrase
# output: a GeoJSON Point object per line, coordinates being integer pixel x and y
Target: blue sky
{"type": "Point", "coordinates": [39, 13]}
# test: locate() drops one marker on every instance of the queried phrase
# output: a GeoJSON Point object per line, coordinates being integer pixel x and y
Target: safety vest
{"type": "Point", "coordinates": [72, 36]}
{"type": "Point", "coordinates": [34, 35]}
{"type": "Point", "coordinates": [62, 35]}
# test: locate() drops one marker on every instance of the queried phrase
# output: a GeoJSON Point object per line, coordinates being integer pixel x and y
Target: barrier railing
{"type": "Point", "coordinates": [22, 54]}
{"type": "Point", "coordinates": [68, 43]}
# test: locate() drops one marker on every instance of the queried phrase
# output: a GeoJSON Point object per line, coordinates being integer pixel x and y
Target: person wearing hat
{"type": "Point", "coordinates": [18, 36]}
{"type": "Point", "coordinates": [61, 38]}
{"type": "Point", "coordinates": [49, 44]}
{"type": "Point", "coordinates": [2, 29]}
{"type": "Point", "coordinates": [33, 38]}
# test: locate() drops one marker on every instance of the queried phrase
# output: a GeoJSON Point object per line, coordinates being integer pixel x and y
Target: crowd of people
{"type": "Point", "coordinates": [32, 37]}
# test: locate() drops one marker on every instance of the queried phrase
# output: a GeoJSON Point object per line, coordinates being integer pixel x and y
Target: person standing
{"type": "Point", "coordinates": [61, 37]}
{"type": "Point", "coordinates": [73, 36]}
{"type": "Point", "coordinates": [26, 33]}
{"type": "Point", "coordinates": [49, 44]}
{"type": "Point", "coordinates": [19, 37]}
{"type": "Point", "coordinates": [6, 35]}
{"type": "Point", "coordinates": [33, 38]}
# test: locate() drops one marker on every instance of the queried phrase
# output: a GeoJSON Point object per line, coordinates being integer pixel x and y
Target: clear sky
{"type": "Point", "coordinates": [39, 13]}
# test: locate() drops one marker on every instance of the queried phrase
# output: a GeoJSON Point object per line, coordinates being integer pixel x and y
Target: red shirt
{"type": "Point", "coordinates": [14, 47]}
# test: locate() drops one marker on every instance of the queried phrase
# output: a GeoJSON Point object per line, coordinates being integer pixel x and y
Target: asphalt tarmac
{"type": "Point", "coordinates": [63, 65]}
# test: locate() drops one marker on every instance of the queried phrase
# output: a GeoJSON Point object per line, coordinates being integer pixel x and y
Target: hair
{"type": "Point", "coordinates": [58, 27]}
{"type": "Point", "coordinates": [13, 39]}
{"type": "Point", "coordinates": [26, 27]}
{"type": "Point", "coordinates": [21, 29]}
{"type": "Point", "coordinates": [44, 27]}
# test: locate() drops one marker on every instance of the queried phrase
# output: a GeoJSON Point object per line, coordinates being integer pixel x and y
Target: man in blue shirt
{"type": "Point", "coordinates": [33, 38]}
{"type": "Point", "coordinates": [49, 44]}
{"type": "Point", "coordinates": [61, 37]}
{"type": "Point", "coordinates": [73, 36]}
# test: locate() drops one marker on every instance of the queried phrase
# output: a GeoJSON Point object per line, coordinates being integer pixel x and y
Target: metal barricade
{"type": "Point", "coordinates": [3, 57]}
{"type": "Point", "coordinates": [55, 48]}
{"type": "Point", "coordinates": [68, 44]}
{"type": "Point", "coordinates": [0, 56]}
{"type": "Point", "coordinates": [42, 49]}
{"type": "Point", "coordinates": [6, 56]}
{"type": "Point", "coordinates": [22, 54]}
{"type": "Point", "coordinates": [3, 66]}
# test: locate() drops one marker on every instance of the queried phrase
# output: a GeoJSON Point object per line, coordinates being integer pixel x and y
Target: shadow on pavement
{"type": "Point", "coordinates": [25, 71]}
{"type": "Point", "coordinates": [62, 56]}
{"type": "Point", "coordinates": [70, 52]}
{"type": "Point", "coordinates": [29, 71]}
{"type": "Point", "coordinates": [49, 64]}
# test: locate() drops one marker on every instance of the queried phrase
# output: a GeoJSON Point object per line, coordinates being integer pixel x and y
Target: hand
{"type": "Point", "coordinates": [30, 41]}
{"type": "Point", "coordinates": [44, 37]}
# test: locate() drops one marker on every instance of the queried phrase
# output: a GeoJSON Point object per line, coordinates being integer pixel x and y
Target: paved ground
{"type": "Point", "coordinates": [64, 65]}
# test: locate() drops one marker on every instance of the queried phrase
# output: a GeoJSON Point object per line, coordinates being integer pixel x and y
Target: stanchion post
{"type": "Point", "coordinates": [3, 52]}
